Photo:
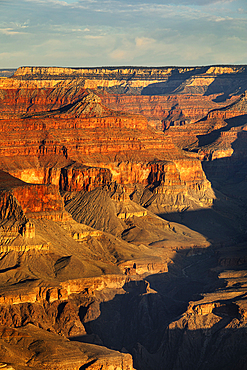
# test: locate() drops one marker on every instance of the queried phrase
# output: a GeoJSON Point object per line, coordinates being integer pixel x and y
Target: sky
{"type": "Point", "coordinates": [89, 33]}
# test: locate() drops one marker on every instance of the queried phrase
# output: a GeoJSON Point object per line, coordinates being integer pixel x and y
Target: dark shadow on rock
{"type": "Point", "coordinates": [218, 348]}
{"type": "Point", "coordinates": [173, 82]}
{"type": "Point", "coordinates": [222, 172]}
{"type": "Point", "coordinates": [194, 343]}
{"type": "Point", "coordinates": [138, 318]}
{"type": "Point", "coordinates": [141, 315]}
{"type": "Point", "coordinates": [216, 224]}
{"type": "Point", "coordinates": [87, 338]}
{"type": "Point", "coordinates": [215, 134]}
{"type": "Point", "coordinates": [228, 84]}
{"type": "Point", "coordinates": [86, 366]}
{"type": "Point", "coordinates": [225, 222]}
{"type": "Point", "coordinates": [224, 85]}
{"type": "Point", "coordinates": [227, 309]}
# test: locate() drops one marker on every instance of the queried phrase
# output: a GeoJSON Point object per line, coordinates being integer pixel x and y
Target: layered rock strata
{"type": "Point", "coordinates": [150, 81]}
{"type": "Point", "coordinates": [163, 111]}
{"type": "Point", "coordinates": [213, 326]}
{"type": "Point", "coordinates": [30, 347]}
{"type": "Point", "coordinates": [110, 230]}
{"type": "Point", "coordinates": [103, 137]}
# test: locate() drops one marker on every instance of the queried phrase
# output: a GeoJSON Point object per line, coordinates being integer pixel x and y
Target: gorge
{"type": "Point", "coordinates": [123, 230]}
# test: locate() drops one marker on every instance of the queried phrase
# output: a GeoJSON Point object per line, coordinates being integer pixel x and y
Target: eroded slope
{"type": "Point", "coordinates": [109, 228]}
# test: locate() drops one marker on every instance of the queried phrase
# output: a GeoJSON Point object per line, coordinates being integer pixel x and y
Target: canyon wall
{"type": "Point", "coordinates": [70, 124]}
{"type": "Point", "coordinates": [123, 218]}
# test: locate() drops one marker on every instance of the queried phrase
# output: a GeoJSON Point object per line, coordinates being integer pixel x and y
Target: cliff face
{"type": "Point", "coordinates": [163, 111]}
{"type": "Point", "coordinates": [213, 326]}
{"type": "Point", "coordinates": [142, 73]}
{"type": "Point", "coordinates": [70, 124]}
{"type": "Point", "coordinates": [224, 80]}
{"type": "Point", "coordinates": [24, 348]}
{"type": "Point", "coordinates": [221, 130]}
{"type": "Point", "coordinates": [122, 208]}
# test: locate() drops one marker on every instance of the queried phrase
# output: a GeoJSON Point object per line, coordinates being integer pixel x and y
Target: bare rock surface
{"type": "Point", "coordinates": [123, 218]}
{"type": "Point", "coordinates": [30, 347]}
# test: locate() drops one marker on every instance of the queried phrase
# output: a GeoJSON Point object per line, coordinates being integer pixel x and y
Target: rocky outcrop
{"type": "Point", "coordinates": [85, 308]}
{"type": "Point", "coordinates": [163, 111]}
{"type": "Point", "coordinates": [110, 230]}
{"type": "Point", "coordinates": [7, 72]}
{"type": "Point", "coordinates": [31, 347]}
{"type": "Point", "coordinates": [212, 326]}
{"type": "Point", "coordinates": [30, 200]}
{"type": "Point", "coordinates": [222, 132]}
{"type": "Point", "coordinates": [77, 178]}
{"type": "Point", "coordinates": [80, 144]}
{"type": "Point", "coordinates": [150, 81]}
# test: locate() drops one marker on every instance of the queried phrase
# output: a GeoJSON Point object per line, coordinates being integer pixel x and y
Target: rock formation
{"type": "Point", "coordinates": [123, 218]}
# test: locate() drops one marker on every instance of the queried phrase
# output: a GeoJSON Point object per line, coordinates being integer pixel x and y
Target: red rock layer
{"type": "Point", "coordinates": [20, 200]}
{"type": "Point", "coordinates": [38, 198]}
{"type": "Point", "coordinates": [125, 73]}
{"type": "Point", "coordinates": [22, 98]}
{"type": "Point", "coordinates": [38, 146]}
{"type": "Point", "coordinates": [174, 109]}
{"type": "Point", "coordinates": [77, 178]}
{"type": "Point", "coordinates": [75, 125]}
{"type": "Point", "coordinates": [84, 137]}
{"type": "Point", "coordinates": [237, 108]}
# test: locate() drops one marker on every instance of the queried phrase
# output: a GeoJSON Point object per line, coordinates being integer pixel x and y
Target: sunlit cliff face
{"type": "Point", "coordinates": [122, 218]}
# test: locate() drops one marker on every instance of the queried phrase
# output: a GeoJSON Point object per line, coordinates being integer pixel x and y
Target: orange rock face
{"type": "Point", "coordinates": [39, 198]}
{"type": "Point", "coordinates": [18, 198]}
{"type": "Point", "coordinates": [163, 111]}
{"type": "Point", "coordinates": [122, 204]}
{"type": "Point", "coordinates": [69, 124]}
{"type": "Point", "coordinates": [79, 178]}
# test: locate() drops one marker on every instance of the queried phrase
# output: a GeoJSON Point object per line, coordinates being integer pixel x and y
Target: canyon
{"type": "Point", "coordinates": [123, 218]}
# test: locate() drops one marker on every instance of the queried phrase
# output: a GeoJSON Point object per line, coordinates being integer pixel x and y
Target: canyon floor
{"type": "Point", "coordinates": [123, 229]}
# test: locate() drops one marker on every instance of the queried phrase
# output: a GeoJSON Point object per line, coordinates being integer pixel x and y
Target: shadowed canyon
{"type": "Point", "coordinates": [123, 218]}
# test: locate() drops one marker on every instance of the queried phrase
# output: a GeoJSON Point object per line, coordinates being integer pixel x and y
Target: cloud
{"type": "Point", "coordinates": [10, 31]}
{"type": "Point", "coordinates": [144, 42]}
{"type": "Point", "coordinates": [119, 54]}
{"type": "Point", "coordinates": [136, 50]}
{"type": "Point", "coordinates": [80, 30]}
{"type": "Point", "coordinates": [97, 37]}
{"type": "Point", "coordinates": [48, 2]}
{"type": "Point", "coordinates": [197, 2]}
{"type": "Point", "coordinates": [221, 19]}
{"type": "Point", "coordinates": [146, 32]}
